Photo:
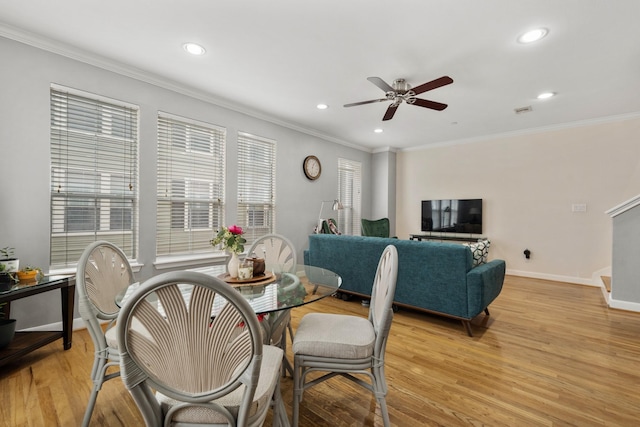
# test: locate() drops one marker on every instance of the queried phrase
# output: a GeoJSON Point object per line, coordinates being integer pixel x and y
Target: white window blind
{"type": "Point", "coordinates": [349, 194]}
{"type": "Point", "coordinates": [256, 186]}
{"type": "Point", "coordinates": [94, 174]}
{"type": "Point", "coordinates": [190, 199]}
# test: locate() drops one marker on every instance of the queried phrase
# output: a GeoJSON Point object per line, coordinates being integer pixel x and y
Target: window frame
{"type": "Point", "coordinates": [179, 162]}
{"type": "Point", "coordinates": [93, 139]}
{"type": "Point", "coordinates": [256, 185]}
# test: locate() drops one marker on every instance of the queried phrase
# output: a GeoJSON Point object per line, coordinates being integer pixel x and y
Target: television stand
{"type": "Point", "coordinates": [421, 237]}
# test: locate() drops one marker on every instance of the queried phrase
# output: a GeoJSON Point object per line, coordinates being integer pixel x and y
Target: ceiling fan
{"type": "Point", "coordinates": [401, 92]}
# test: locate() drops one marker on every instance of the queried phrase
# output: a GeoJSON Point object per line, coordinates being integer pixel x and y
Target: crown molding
{"type": "Point", "coordinates": [624, 206]}
{"type": "Point", "coordinates": [90, 58]}
{"type": "Point", "coordinates": [530, 131]}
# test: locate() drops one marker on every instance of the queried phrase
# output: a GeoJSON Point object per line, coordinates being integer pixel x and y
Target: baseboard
{"type": "Point", "coordinates": [624, 305]}
{"type": "Point", "coordinates": [78, 323]}
{"type": "Point", "coordinates": [553, 277]}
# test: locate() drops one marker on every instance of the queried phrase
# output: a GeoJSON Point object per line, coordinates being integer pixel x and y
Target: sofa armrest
{"type": "Point", "coordinates": [484, 284]}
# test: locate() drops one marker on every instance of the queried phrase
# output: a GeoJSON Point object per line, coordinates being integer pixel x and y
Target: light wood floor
{"type": "Point", "coordinates": [550, 354]}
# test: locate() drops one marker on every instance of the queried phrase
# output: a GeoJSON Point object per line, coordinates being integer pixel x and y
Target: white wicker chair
{"type": "Point", "coordinates": [197, 363]}
{"type": "Point", "coordinates": [279, 256]}
{"type": "Point", "coordinates": [103, 271]}
{"type": "Point", "coordinates": [348, 345]}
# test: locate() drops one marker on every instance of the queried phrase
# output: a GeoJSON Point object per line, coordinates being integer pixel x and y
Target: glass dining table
{"type": "Point", "coordinates": [271, 296]}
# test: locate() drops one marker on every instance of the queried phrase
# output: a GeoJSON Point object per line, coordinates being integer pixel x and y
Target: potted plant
{"type": "Point", "coordinates": [29, 274]}
{"type": "Point", "coordinates": [8, 267]}
{"type": "Point", "coordinates": [9, 262]}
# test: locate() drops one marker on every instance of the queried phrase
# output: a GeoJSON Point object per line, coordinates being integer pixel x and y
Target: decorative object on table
{"type": "Point", "coordinates": [336, 206]}
{"type": "Point", "coordinates": [258, 266]}
{"type": "Point", "coordinates": [8, 267]}
{"type": "Point", "coordinates": [263, 279]}
{"type": "Point", "coordinates": [245, 270]}
{"type": "Point", "coordinates": [230, 239]}
{"type": "Point", "coordinates": [8, 260]}
{"type": "Point", "coordinates": [29, 274]}
{"type": "Point", "coordinates": [312, 167]}
{"type": "Point", "coordinates": [233, 265]}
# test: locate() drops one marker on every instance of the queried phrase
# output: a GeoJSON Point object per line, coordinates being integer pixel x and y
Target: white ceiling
{"type": "Point", "coordinates": [277, 59]}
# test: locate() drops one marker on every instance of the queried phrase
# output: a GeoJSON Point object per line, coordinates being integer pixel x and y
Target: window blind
{"type": "Point", "coordinates": [349, 194]}
{"type": "Point", "coordinates": [94, 174]}
{"type": "Point", "coordinates": [256, 185]}
{"type": "Point", "coordinates": [190, 192]}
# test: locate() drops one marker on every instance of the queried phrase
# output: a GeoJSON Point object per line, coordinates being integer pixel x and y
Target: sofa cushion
{"type": "Point", "coordinates": [479, 251]}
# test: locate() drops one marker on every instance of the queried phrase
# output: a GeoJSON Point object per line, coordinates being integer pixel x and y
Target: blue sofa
{"type": "Point", "coordinates": [432, 276]}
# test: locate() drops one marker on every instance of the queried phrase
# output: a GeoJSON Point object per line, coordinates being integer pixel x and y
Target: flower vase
{"type": "Point", "coordinates": [232, 266]}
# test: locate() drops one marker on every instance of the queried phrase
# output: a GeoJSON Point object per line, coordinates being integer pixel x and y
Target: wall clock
{"type": "Point", "coordinates": [312, 167]}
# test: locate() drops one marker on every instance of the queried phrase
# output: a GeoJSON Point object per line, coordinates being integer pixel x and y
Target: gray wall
{"type": "Point", "coordinates": [625, 279]}
{"type": "Point", "coordinates": [27, 73]}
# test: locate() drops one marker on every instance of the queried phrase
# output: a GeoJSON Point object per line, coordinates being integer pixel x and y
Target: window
{"type": "Point", "coordinates": [190, 184]}
{"type": "Point", "coordinates": [256, 186]}
{"type": "Point", "coordinates": [94, 174]}
{"type": "Point", "coordinates": [349, 194]}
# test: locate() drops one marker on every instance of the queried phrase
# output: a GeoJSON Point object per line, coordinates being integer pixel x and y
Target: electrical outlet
{"type": "Point", "coordinates": [579, 207]}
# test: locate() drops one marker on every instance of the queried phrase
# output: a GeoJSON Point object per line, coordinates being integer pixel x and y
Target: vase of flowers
{"type": "Point", "coordinates": [230, 239]}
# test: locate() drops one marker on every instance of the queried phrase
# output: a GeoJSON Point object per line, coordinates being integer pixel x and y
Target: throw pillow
{"type": "Point", "coordinates": [479, 251]}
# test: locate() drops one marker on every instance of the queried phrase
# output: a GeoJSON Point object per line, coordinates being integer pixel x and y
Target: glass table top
{"type": "Point", "coordinates": [287, 290]}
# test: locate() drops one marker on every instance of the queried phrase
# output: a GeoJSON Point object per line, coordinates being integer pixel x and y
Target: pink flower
{"type": "Point", "coordinates": [234, 229]}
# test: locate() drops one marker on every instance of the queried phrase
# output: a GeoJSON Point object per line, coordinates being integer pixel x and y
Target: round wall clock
{"type": "Point", "coordinates": [312, 167]}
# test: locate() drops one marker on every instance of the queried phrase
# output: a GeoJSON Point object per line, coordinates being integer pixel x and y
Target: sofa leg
{"type": "Point", "coordinates": [486, 311]}
{"type": "Point", "coordinates": [467, 326]}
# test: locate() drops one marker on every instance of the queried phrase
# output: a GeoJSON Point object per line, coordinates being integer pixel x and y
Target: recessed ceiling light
{"type": "Point", "coordinates": [533, 35]}
{"type": "Point", "coordinates": [546, 95]}
{"type": "Point", "coordinates": [378, 130]}
{"type": "Point", "coordinates": [194, 48]}
{"type": "Point", "coordinates": [322, 106]}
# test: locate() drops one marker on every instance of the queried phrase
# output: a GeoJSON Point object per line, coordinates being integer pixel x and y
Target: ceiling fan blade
{"type": "Point", "coordinates": [353, 104]}
{"type": "Point", "coordinates": [433, 84]}
{"type": "Point", "coordinates": [390, 111]}
{"type": "Point", "coordinates": [427, 104]}
{"type": "Point", "coordinates": [380, 83]}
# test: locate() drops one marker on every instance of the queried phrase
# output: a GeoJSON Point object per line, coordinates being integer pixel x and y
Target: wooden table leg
{"type": "Point", "coordinates": [67, 294]}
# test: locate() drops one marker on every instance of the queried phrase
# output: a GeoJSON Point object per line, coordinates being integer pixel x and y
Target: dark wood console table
{"type": "Point", "coordinates": [27, 341]}
{"type": "Point", "coordinates": [444, 238]}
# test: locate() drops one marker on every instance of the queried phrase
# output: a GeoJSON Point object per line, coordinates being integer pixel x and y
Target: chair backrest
{"type": "Point", "coordinates": [103, 271]}
{"type": "Point", "coordinates": [375, 228]}
{"type": "Point", "coordinates": [192, 352]}
{"type": "Point", "coordinates": [278, 252]}
{"type": "Point", "coordinates": [382, 295]}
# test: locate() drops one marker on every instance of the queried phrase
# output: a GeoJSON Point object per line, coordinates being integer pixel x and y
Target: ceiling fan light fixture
{"type": "Point", "coordinates": [322, 106]}
{"type": "Point", "coordinates": [194, 49]}
{"type": "Point", "coordinates": [533, 35]}
{"type": "Point", "coordinates": [378, 130]}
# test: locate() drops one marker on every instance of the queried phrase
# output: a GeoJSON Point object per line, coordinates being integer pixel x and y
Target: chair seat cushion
{"type": "Point", "coordinates": [269, 376]}
{"type": "Point", "coordinates": [334, 335]}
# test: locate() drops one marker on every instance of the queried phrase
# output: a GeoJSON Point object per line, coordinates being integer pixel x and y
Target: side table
{"type": "Point", "coordinates": [28, 341]}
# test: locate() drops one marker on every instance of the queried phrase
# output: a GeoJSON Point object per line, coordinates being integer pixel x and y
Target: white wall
{"type": "Point", "coordinates": [529, 183]}
{"type": "Point", "coordinates": [26, 74]}
{"type": "Point", "coordinates": [383, 188]}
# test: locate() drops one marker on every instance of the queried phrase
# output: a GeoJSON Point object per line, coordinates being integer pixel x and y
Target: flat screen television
{"type": "Point", "coordinates": [452, 216]}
